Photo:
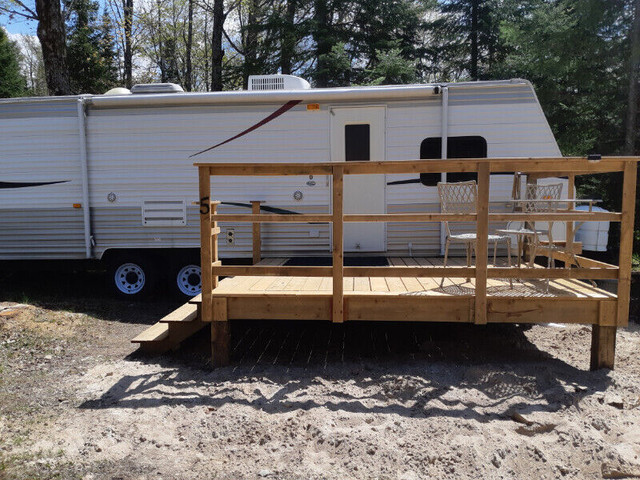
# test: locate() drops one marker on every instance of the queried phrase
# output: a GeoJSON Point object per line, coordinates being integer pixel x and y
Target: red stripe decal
{"type": "Point", "coordinates": [286, 107]}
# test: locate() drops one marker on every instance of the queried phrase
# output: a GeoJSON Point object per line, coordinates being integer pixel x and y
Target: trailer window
{"type": "Point", "coordinates": [357, 142]}
{"type": "Point", "coordinates": [457, 147]}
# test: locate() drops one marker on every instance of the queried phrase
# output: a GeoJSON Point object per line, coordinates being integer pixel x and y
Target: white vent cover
{"type": "Point", "coordinates": [142, 88]}
{"type": "Point", "coordinates": [164, 213]}
{"type": "Point", "coordinates": [277, 82]}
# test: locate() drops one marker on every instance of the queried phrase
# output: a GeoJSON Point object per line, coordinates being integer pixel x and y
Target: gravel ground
{"type": "Point", "coordinates": [303, 401]}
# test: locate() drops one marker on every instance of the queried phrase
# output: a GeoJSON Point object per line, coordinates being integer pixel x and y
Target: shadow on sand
{"type": "Point", "coordinates": [404, 369]}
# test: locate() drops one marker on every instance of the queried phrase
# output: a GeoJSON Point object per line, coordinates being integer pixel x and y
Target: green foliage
{"type": "Point", "coordinates": [575, 53]}
{"type": "Point", "coordinates": [393, 69]}
{"type": "Point", "coordinates": [454, 28]}
{"type": "Point", "coordinates": [12, 83]}
{"type": "Point", "coordinates": [90, 49]}
{"type": "Point", "coordinates": [338, 62]}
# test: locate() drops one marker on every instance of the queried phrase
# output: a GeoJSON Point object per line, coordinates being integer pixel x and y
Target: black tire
{"type": "Point", "coordinates": [132, 276]}
{"type": "Point", "coordinates": [186, 278]}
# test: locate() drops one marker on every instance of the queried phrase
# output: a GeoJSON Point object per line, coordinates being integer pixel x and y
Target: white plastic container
{"type": "Point", "coordinates": [593, 235]}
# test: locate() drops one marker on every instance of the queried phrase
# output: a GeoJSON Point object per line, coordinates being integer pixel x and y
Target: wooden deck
{"type": "Point", "coordinates": [413, 298]}
{"type": "Point", "coordinates": [413, 289]}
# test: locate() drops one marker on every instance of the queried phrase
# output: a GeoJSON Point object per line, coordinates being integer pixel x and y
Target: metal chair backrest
{"type": "Point", "coordinates": [542, 192]}
{"type": "Point", "coordinates": [458, 197]}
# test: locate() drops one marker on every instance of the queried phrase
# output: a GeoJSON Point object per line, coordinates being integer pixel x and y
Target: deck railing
{"type": "Point", "coordinates": [533, 167]}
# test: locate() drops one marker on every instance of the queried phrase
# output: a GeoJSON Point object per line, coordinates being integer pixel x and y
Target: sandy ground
{"type": "Point", "coordinates": [304, 402]}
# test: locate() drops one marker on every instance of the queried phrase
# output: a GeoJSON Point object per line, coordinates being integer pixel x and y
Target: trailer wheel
{"type": "Point", "coordinates": [132, 277]}
{"type": "Point", "coordinates": [189, 280]}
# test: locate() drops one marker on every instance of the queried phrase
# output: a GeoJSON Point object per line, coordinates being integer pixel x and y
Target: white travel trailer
{"type": "Point", "coordinates": [111, 177]}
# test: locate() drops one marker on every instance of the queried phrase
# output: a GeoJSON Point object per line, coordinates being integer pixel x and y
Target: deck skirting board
{"type": "Point", "coordinates": [409, 308]}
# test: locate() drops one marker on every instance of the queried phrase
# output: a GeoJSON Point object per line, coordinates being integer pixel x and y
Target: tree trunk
{"type": "Point", "coordinates": [188, 81]}
{"type": "Point", "coordinates": [128, 52]}
{"type": "Point", "coordinates": [634, 78]}
{"type": "Point", "coordinates": [322, 40]}
{"type": "Point", "coordinates": [251, 44]}
{"type": "Point", "coordinates": [288, 38]}
{"type": "Point", "coordinates": [473, 70]}
{"type": "Point", "coordinates": [51, 34]}
{"type": "Point", "coordinates": [217, 53]}
{"type": "Point", "coordinates": [206, 53]}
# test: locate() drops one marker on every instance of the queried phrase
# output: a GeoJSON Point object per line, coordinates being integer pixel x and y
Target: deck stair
{"type": "Point", "coordinates": [172, 329]}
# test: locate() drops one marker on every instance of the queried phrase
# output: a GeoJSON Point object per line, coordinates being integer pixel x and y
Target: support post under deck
{"type": "Point", "coordinates": [603, 347]}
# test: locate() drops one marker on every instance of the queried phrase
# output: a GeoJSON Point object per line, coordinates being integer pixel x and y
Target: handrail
{"type": "Point", "coordinates": [540, 165]}
{"type": "Point", "coordinates": [536, 167]}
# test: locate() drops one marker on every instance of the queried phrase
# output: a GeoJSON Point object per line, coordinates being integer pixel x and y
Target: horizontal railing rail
{"type": "Point", "coordinates": [534, 167]}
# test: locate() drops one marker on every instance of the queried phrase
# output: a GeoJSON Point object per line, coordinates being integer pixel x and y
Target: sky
{"type": "Point", "coordinates": [26, 27]}
{"type": "Point", "coordinates": [18, 25]}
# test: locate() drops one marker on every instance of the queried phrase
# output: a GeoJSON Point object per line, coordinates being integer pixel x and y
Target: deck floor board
{"type": "Point", "coordinates": [274, 285]}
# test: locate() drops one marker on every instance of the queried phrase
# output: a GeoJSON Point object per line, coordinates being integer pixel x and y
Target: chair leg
{"type": "Point", "coordinates": [446, 254]}
{"type": "Point", "coordinates": [469, 247]}
{"type": "Point", "coordinates": [495, 251]}
{"type": "Point", "coordinates": [509, 260]}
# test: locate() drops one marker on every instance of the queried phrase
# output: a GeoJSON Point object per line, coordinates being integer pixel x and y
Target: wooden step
{"type": "Point", "coordinates": [196, 300]}
{"type": "Point", "coordinates": [155, 333]}
{"type": "Point", "coordinates": [171, 330]}
{"type": "Point", "coordinates": [185, 313]}
{"type": "Point", "coordinates": [154, 339]}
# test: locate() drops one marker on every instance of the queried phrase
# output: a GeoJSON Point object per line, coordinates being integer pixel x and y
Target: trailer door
{"type": "Point", "coordinates": [358, 134]}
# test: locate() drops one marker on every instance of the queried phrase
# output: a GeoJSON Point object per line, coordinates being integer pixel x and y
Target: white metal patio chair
{"type": "Point", "coordinates": [535, 203]}
{"type": "Point", "coordinates": [538, 199]}
{"type": "Point", "coordinates": [462, 198]}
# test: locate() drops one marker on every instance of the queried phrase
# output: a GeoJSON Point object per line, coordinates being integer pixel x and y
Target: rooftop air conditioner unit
{"type": "Point", "coordinates": [277, 82]}
{"type": "Point", "coordinates": [156, 88]}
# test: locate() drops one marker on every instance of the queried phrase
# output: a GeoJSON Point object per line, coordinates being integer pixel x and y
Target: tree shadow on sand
{"type": "Point", "coordinates": [411, 370]}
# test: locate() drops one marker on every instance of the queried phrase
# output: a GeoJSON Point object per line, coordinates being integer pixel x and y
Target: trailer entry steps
{"type": "Point", "coordinates": [170, 330]}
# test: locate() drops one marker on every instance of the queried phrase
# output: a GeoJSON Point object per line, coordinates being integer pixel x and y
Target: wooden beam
{"type": "Point", "coordinates": [408, 309]}
{"type": "Point", "coordinates": [542, 310]}
{"type": "Point", "coordinates": [569, 224]}
{"type": "Point", "coordinates": [275, 218]}
{"type": "Point", "coordinates": [583, 262]}
{"type": "Point", "coordinates": [419, 272]}
{"type": "Point", "coordinates": [557, 217]}
{"type": "Point", "coordinates": [410, 217]}
{"type": "Point", "coordinates": [482, 232]}
{"type": "Point", "coordinates": [206, 241]}
{"type": "Point", "coordinates": [608, 313]}
{"type": "Point", "coordinates": [338, 245]}
{"type": "Point", "coordinates": [603, 347]}
{"type": "Point", "coordinates": [280, 308]}
{"type": "Point", "coordinates": [558, 166]}
{"type": "Point", "coordinates": [543, 273]}
{"type": "Point", "coordinates": [220, 309]}
{"type": "Point", "coordinates": [220, 340]}
{"type": "Point", "coordinates": [272, 270]}
{"type": "Point", "coordinates": [256, 237]}
{"type": "Point", "coordinates": [626, 242]}
{"type": "Point", "coordinates": [269, 169]}
{"type": "Point", "coordinates": [215, 257]}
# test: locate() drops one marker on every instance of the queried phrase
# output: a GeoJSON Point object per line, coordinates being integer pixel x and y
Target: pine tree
{"type": "Point", "coordinates": [465, 38]}
{"type": "Point", "coordinates": [90, 54]}
{"type": "Point", "coordinates": [12, 83]}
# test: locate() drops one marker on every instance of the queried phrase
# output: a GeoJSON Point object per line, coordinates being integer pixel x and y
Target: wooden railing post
{"type": "Point", "coordinates": [215, 233]}
{"type": "Point", "coordinates": [603, 337]}
{"type": "Point", "coordinates": [569, 225]}
{"type": "Point", "coordinates": [482, 233]}
{"type": "Point", "coordinates": [206, 241]}
{"type": "Point", "coordinates": [338, 245]}
{"type": "Point", "coordinates": [626, 241]}
{"type": "Point", "coordinates": [256, 233]}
